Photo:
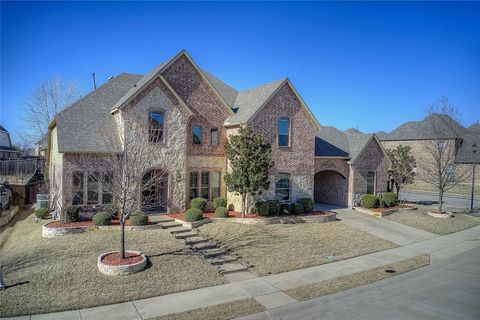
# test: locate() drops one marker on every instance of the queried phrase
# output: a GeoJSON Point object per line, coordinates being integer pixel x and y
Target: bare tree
{"type": "Point", "coordinates": [437, 163]}
{"type": "Point", "coordinates": [45, 102]}
{"type": "Point", "coordinates": [125, 172]}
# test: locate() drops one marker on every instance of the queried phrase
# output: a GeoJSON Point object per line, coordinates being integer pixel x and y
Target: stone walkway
{"type": "Point", "coordinates": [268, 290]}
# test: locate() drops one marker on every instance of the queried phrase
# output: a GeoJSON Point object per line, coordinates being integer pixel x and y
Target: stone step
{"type": "Point", "coordinates": [233, 267]}
{"type": "Point", "coordinates": [160, 218]}
{"type": "Point", "coordinates": [210, 253]}
{"type": "Point", "coordinates": [222, 259]}
{"type": "Point", "coordinates": [181, 229]}
{"type": "Point", "coordinates": [185, 235]}
{"type": "Point", "coordinates": [172, 224]}
{"type": "Point", "coordinates": [204, 246]}
{"type": "Point", "coordinates": [194, 240]}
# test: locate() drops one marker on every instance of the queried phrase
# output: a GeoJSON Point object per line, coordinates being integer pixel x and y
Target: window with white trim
{"type": "Point", "coordinates": [282, 187]}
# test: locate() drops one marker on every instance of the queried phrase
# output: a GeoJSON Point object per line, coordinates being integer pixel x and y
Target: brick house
{"type": "Point", "coordinates": [193, 114]}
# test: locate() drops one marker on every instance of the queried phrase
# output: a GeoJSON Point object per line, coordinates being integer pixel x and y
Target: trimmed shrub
{"type": "Point", "coordinates": [138, 218]}
{"type": "Point", "coordinates": [308, 204]}
{"type": "Point", "coordinates": [193, 214]}
{"type": "Point", "coordinates": [113, 209]}
{"type": "Point", "coordinates": [221, 212]}
{"type": "Point", "coordinates": [285, 209]}
{"type": "Point", "coordinates": [370, 201]}
{"type": "Point", "coordinates": [389, 199]}
{"type": "Point", "coordinates": [198, 203]}
{"type": "Point", "coordinates": [102, 218]}
{"type": "Point", "coordinates": [219, 202]}
{"type": "Point", "coordinates": [298, 208]}
{"type": "Point", "coordinates": [70, 214]}
{"type": "Point", "coordinates": [41, 213]}
{"type": "Point", "coordinates": [275, 206]}
{"type": "Point", "coordinates": [262, 208]}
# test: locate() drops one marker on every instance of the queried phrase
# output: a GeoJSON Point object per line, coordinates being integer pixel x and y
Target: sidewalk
{"type": "Point", "coordinates": [268, 290]}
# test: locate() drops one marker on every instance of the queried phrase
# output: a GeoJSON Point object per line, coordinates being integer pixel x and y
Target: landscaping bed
{"type": "Point", "coordinates": [382, 212]}
{"type": "Point", "coordinates": [421, 220]}
{"type": "Point", "coordinates": [44, 275]}
{"type": "Point", "coordinates": [275, 248]}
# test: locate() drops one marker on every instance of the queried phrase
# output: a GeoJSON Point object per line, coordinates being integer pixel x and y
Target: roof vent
{"type": "Point", "coordinates": [110, 78]}
{"type": "Point", "coordinates": [135, 85]}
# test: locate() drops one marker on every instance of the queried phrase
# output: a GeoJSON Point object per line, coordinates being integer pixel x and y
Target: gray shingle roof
{"type": "Point", "coordinates": [435, 126]}
{"type": "Point", "coordinates": [357, 142]}
{"type": "Point", "coordinates": [228, 93]}
{"type": "Point", "coordinates": [79, 125]}
{"type": "Point", "coordinates": [331, 142]}
{"type": "Point", "coordinates": [465, 153]}
{"type": "Point", "coordinates": [352, 131]}
{"type": "Point", "coordinates": [380, 135]}
{"type": "Point", "coordinates": [474, 128]}
{"type": "Point", "coordinates": [248, 102]}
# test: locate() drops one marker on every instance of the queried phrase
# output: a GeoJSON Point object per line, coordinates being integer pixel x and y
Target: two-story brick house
{"type": "Point", "coordinates": [188, 115]}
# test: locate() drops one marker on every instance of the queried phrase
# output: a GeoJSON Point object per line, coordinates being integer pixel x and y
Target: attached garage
{"type": "Point", "coordinates": [330, 187]}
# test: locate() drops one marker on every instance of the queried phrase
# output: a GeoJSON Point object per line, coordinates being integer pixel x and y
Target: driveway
{"type": "Point", "coordinates": [449, 290]}
{"type": "Point", "coordinates": [450, 200]}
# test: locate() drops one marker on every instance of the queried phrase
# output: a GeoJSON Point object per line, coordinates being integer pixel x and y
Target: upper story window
{"type": "Point", "coordinates": [282, 187]}
{"type": "Point", "coordinates": [370, 182]}
{"type": "Point", "coordinates": [283, 132]}
{"type": "Point", "coordinates": [156, 121]}
{"type": "Point", "coordinates": [197, 134]}
{"type": "Point", "coordinates": [214, 136]}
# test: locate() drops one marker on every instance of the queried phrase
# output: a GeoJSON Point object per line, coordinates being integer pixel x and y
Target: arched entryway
{"type": "Point", "coordinates": [155, 191]}
{"type": "Point", "coordinates": [330, 187]}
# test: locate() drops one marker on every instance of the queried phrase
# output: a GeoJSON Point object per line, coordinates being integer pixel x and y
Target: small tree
{"type": "Point", "coordinates": [403, 165]}
{"type": "Point", "coordinates": [437, 162]}
{"type": "Point", "coordinates": [250, 161]}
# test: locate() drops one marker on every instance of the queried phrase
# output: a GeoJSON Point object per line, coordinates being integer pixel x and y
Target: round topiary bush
{"type": "Point", "coordinates": [221, 212]}
{"type": "Point", "coordinates": [274, 207]}
{"type": "Point", "coordinates": [369, 201]}
{"type": "Point", "coordinates": [41, 213]}
{"type": "Point", "coordinates": [113, 209]}
{"type": "Point", "coordinates": [298, 208]}
{"type": "Point", "coordinates": [138, 218]}
{"type": "Point", "coordinates": [308, 204]}
{"type": "Point", "coordinates": [102, 219]}
{"type": "Point", "coordinates": [286, 209]}
{"type": "Point", "coordinates": [198, 203]}
{"type": "Point", "coordinates": [262, 208]}
{"type": "Point", "coordinates": [193, 214]}
{"type": "Point", "coordinates": [70, 214]}
{"type": "Point", "coordinates": [219, 202]}
{"type": "Point", "coordinates": [389, 199]}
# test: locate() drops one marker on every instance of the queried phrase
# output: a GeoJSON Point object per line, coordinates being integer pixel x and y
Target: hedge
{"type": "Point", "coordinates": [193, 214]}
{"type": "Point", "coordinates": [369, 201]}
{"type": "Point", "coordinates": [113, 209]}
{"type": "Point", "coordinates": [102, 218]}
{"type": "Point", "coordinates": [389, 199]}
{"type": "Point", "coordinates": [221, 212]}
{"type": "Point", "coordinates": [219, 202]}
{"type": "Point", "coordinates": [41, 213]}
{"type": "Point", "coordinates": [275, 206]}
{"type": "Point", "coordinates": [70, 214]}
{"type": "Point", "coordinates": [286, 209]}
{"type": "Point", "coordinates": [138, 218]}
{"type": "Point", "coordinates": [308, 204]}
{"type": "Point", "coordinates": [198, 203]}
{"type": "Point", "coordinates": [262, 208]}
{"type": "Point", "coordinates": [298, 208]}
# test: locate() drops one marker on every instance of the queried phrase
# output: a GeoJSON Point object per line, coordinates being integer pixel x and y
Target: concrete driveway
{"type": "Point", "coordinates": [450, 200]}
{"type": "Point", "coordinates": [449, 290]}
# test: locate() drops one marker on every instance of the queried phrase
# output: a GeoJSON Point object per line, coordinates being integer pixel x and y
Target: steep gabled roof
{"type": "Point", "coordinates": [228, 93]}
{"type": "Point", "coordinates": [79, 125]}
{"type": "Point", "coordinates": [380, 135]}
{"type": "Point", "coordinates": [474, 128]}
{"type": "Point", "coordinates": [352, 131]}
{"type": "Point", "coordinates": [435, 126]}
{"type": "Point", "coordinates": [357, 143]}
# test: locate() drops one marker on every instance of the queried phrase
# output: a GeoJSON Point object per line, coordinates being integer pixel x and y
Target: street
{"type": "Point", "coordinates": [450, 200]}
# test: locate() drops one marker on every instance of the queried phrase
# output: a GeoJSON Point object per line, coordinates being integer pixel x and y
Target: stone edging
{"type": "Point", "coordinates": [381, 214]}
{"type": "Point", "coordinates": [193, 224]}
{"type": "Point", "coordinates": [122, 270]}
{"type": "Point", "coordinates": [7, 218]}
{"type": "Point", "coordinates": [440, 215]}
{"type": "Point", "coordinates": [48, 232]}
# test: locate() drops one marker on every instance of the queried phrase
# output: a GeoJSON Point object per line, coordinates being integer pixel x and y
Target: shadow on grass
{"type": "Point", "coordinates": [16, 284]}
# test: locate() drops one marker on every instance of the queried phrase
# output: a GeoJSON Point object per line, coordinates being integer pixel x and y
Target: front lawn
{"type": "Point", "coordinates": [275, 248]}
{"type": "Point", "coordinates": [49, 275]}
{"type": "Point", "coordinates": [421, 220]}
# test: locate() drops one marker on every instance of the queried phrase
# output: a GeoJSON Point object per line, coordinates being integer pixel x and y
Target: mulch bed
{"type": "Point", "coordinates": [113, 259]}
{"type": "Point", "coordinates": [234, 214]}
{"type": "Point", "coordinates": [400, 206]}
{"type": "Point", "coordinates": [86, 223]}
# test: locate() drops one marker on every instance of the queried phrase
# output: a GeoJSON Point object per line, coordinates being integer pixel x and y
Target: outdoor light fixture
{"type": "Point", "coordinates": [474, 150]}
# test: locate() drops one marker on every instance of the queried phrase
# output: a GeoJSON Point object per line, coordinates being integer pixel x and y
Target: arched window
{"type": "Point", "coordinates": [283, 132]}
{"type": "Point", "coordinates": [156, 121]}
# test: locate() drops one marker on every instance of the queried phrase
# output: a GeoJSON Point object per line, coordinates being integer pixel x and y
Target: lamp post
{"type": "Point", "coordinates": [474, 150]}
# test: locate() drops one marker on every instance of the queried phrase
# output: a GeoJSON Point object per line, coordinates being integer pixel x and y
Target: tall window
{"type": "Point", "coordinates": [77, 187]}
{"type": "Point", "coordinates": [215, 184]}
{"type": "Point", "coordinates": [193, 185]}
{"type": "Point", "coordinates": [282, 187]}
{"type": "Point", "coordinates": [197, 134]}
{"type": "Point", "coordinates": [370, 182]}
{"type": "Point", "coordinates": [92, 188]}
{"type": "Point", "coordinates": [107, 188]}
{"type": "Point", "coordinates": [155, 127]}
{"type": "Point", "coordinates": [283, 132]}
{"type": "Point", "coordinates": [205, 185]}
{"type": "Point", "coordinates": [214, 136]}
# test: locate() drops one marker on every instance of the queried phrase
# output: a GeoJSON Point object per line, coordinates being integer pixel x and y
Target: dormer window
{"type": "Point", "coordinates": [283, 132]}
{"type": "Point", "coordinates": [156, 126]}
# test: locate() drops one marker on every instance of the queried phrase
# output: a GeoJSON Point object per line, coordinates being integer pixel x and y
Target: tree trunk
{"type": "Point", "coordinates": [440, 200]}
{"type": "Point", "coordinates": [244, 205]}
{"type": "Point", "coordinates": [122, 237]}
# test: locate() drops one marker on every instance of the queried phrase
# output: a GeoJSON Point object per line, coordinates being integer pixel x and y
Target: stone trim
{"type": "Point", "coordinates": [122, 270]}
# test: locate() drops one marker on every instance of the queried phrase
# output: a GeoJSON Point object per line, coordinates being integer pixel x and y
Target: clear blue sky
{"type": "Point", "coordinates": [367, 65]}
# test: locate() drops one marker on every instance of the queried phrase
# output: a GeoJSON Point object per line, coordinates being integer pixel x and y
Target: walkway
{"type": "Point", "coordinates": [268, 290]}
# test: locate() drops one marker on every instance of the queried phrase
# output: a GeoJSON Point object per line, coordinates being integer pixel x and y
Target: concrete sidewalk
{"type": "Point", "coordinates": [269, 290]}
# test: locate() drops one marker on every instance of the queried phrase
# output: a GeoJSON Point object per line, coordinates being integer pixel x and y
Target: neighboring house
{"type": "Point", "coordinates": [474, 128]}
{"type": "Point", "coordinates": [7, 151]}
{"type": "Point", "coordinates": [417, 134]}
{"type": "Point", "coordinates": [193, 113]}
{"type": "Point", "coordinates": [41, 147]}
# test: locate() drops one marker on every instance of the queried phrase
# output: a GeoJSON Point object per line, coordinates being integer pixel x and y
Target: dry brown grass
{"type": "Point", "coordinates": [357, 279]}
{"type": "Point", "coordinates": [421, 220]}
{"type": "Point", "coordinates": [222, 311]}
{"type": "Point", "coordinates": [49, 275]}
{"type": "Point", "coordinates": [270, 249]}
